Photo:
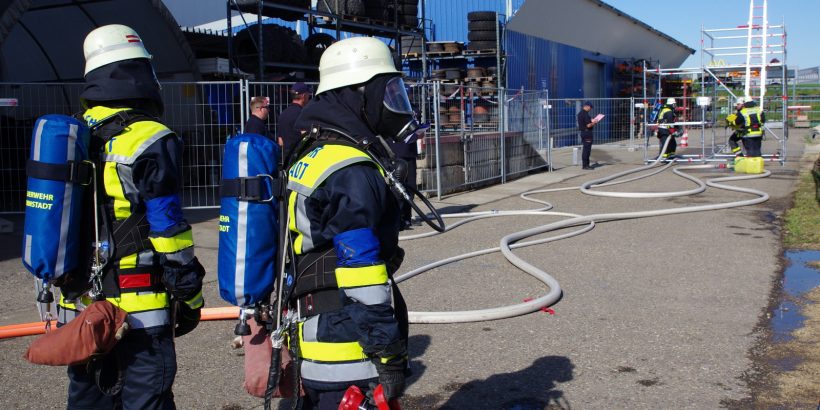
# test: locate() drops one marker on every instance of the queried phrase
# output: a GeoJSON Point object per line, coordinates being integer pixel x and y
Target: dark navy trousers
{"type": "Point", "coordinates": [149, 364]}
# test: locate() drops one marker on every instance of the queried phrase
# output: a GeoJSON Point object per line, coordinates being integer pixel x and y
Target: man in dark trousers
{"type": "Point", "coordinates": [585, 125]}
{"type": "Point", "coordinates": [288, 135]}
{"type": "Point", "coordinates": [258, 121]}
{"type": "Point", "coordinates": [667, 129]}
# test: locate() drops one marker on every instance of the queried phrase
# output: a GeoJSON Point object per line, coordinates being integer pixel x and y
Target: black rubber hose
{"type": "Point", "coordinates": [423, 215]}
{"type": "Point", "coordinates": [273, 376]}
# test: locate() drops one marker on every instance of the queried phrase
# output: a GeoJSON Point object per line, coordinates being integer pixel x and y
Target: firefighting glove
{"type": "Point", "coordinates": [187, 319]}
{"type": "Point", "coordinates": [184, 282]}
{"type": "Point", "coordinates": [391, 376]}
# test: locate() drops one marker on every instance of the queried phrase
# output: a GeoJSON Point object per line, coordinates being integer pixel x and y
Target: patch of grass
{"type": "Point", "coordinates": [803, 219]}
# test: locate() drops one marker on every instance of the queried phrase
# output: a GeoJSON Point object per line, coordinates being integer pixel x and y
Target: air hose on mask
{"type": "Point", "coordinates": [586, 223]}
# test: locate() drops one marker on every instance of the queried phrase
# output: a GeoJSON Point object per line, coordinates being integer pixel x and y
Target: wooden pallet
{"type": "Point", "coordinates": [411, 55]}
{"type": "Point", "coordinates": [367, 20]}
{"type": "Point", "coordinates": [434, 54]}
{"type": "Point", "coordinates": [480, 79]}
{"type": "Point", "coordinates": [486, 52]}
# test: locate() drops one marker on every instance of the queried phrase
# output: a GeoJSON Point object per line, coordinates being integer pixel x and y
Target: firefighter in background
{"type": "Point", "coordinates": [666, 117]}
{"type": "Point", "coordinates": [749, 121]}
{"type": "Point", "coordinates": [345, 221]}
{"type": "Point", "coordinates": [139, 190]}
{"type": "Point", "coordinates": [737, 133]}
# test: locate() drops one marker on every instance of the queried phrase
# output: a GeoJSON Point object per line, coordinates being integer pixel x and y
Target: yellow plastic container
{"type": "Point", "coordinates": [744, 165]}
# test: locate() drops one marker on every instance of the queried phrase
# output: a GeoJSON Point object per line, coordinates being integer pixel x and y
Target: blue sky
{"type": "Point", "coordinates": [682, 20]}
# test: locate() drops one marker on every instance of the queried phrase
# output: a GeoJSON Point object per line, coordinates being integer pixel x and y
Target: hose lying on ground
{"type": "Point", "coordinates": [508, 242]}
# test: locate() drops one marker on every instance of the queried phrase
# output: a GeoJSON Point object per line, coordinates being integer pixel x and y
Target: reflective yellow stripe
{"type": "Point", "coordinates": [195, 302]}
{"type": "Point", "coordinates": [329, 352]}
{"type": "Point", "coordinates": [363, 276]}
{"type": "Point", "coordinates": [135, 302]}
{"type": "Point", "coordinates": [113, 188]}
{"type": "Point", "coordinates": [129, 261]}
{"type": "Point", "coordinates": [84, 301]}
{"type": "Point", "coordinates": [297, 242]}
{"type": "Point", "coordinates": [311, 167]}
{"type": "Point", "coordinates": [175, 243]}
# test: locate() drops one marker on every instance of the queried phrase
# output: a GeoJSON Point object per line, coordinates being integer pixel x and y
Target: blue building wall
{"type": "Point", "coordinates": [538, 64]}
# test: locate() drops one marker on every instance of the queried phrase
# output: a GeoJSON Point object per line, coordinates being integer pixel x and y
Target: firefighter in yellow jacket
{"type": "Point", "coordinates": [345, 220]}
{"type": "Point", "coordinates": [151, 268]}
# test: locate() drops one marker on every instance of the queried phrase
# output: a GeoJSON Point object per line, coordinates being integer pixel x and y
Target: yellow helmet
{"type": "Point", "coordinates": [112, 43]}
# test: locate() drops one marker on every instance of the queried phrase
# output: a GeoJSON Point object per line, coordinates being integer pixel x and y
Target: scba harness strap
{"type": "Point", "coordinates": [130, 235]}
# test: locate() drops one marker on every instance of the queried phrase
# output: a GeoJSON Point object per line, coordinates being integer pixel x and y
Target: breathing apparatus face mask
{"type": "Point", "coordinates": [397, 120]}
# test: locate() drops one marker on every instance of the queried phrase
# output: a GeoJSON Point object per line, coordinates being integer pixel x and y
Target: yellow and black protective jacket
{"type": "Point", "coordinates": [141, 183]}
{"type": "Point", "coordinates": [666, 117]}
{"type": "Point", "coordinates": [750, 120]}
{"type": "Point", "coordinates": [344, 220]}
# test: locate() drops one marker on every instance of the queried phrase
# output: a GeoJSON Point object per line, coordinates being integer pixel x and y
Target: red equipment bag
{"type": "Point", "coordinates": [258, 353]}
{"type": "Point", "coordinates": [94, 332]}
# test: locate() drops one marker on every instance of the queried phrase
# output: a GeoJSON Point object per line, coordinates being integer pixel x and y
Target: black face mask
{"type": "Point", "coordinates": [387, 108]}
{"type": "Point", "coordinates": [395, 126]}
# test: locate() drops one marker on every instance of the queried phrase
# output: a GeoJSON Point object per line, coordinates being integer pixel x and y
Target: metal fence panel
{"type": "Point", "coordinates": [478, 136]}
{"type": "Point", "coordinates": [203, 115]}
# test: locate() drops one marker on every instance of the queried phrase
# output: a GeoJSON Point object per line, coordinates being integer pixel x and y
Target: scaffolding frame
{"type": "Point", "coordinates": [728, 59]}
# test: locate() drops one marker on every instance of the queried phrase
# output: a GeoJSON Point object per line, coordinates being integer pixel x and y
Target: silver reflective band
{"type": "Point", "coordinates": [150, 318]}
{"type": "Point", "coordinates": [356, 64]}
{"type": "Point", "coordinates": [370, 295]}
{"type": "Point", "coordinates": [113, 48]}
{"type": "Point", "coordinates": [338, 372]}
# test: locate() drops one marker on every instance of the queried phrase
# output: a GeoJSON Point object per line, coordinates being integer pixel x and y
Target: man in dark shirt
{"type": "Point", "coordinates": [258, 121]}
{"type": "Point", "coordinates": [288, 135]}
{"type": "Point", "coordinates": [585, 125]}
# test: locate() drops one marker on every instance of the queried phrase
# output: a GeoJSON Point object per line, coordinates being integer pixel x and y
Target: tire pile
{"type": "Point", "coordinates": [279, 44]}
{"type": "Point", "coordinates": [482, 26]}
{"type": "Point", "coordinates": [252, 6]}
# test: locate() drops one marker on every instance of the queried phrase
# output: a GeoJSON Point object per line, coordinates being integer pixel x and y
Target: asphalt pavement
{"type": "Point", "coordinates": [656, 312]}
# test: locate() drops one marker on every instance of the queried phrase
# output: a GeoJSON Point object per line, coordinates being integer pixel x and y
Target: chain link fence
{"type": "Point", "coordinates": [477, 135]}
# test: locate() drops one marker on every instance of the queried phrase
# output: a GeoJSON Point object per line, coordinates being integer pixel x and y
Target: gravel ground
{"type": "Point", "coordinates": [656, 313]}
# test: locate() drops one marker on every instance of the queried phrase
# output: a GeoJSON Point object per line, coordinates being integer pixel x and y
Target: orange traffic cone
{"type": "Point", "coordinates": [684, 140]}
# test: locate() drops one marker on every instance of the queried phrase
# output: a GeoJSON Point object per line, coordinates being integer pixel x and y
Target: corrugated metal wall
{"type": "Point", "coordinates": [539, 64]}
{"type": "Point", "coordinates": [448, 18]}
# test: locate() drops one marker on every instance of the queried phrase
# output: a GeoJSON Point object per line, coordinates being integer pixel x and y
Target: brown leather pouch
{"type": "Point", "coordinates": [258, 354]}
{"type": "Point", "coordinates": [93, 332]}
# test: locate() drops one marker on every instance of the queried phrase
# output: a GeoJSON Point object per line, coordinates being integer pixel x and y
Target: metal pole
{"type": "Point", "coordinates": [502, 102]}
{"type": "Point", "coordinates": [631, 122]}
{"type": "Point", "coordinates": [243, 95]}
{"type": "Point", "coordinates": [549, 134]}
{"type": "Point", "coordinates": [645, 117]}
{"type": "Point", "coordinates": [423, 42]}
{"type": "Point", "coordinates": [230, 38]}
{"type": "Point", "coordinates": [437, 114]}
{"type": "Point", "coordinates": [260, 47]}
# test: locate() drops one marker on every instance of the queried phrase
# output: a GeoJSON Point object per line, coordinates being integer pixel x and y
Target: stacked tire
{"type": "Point", "coordinates": [252, 6]}
{"type": "Point", "coordinates": [342, 7]}
{"type": "Point", "coordinates": [407, 12]}
{"type": "Point", "coordinates": [315, 46]}
{"type": "Point", "coordinates": [279, 44]}
{"type": "Point", "coordinates": [411, 45]}
{"type": "Point", "coordinates": [482, 34]}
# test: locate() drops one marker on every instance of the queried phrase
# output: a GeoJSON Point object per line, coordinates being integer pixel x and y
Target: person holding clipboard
{"type": "Point", "coordinates": [585, 124]}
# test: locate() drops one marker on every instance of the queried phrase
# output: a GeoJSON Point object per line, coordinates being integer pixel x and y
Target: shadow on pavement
{"type": "Point", "coordinates": [528, 389]}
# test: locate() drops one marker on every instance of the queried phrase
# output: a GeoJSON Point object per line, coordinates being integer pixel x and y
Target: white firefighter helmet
{"type": "Point", "coordinates": [740, 101]}
{"type": "Point", "coordinates": [670, 101]}
{"type": "Point", "coordinates": [354, 61]}
{"type": "Point", "coordinates": [112, 43]}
